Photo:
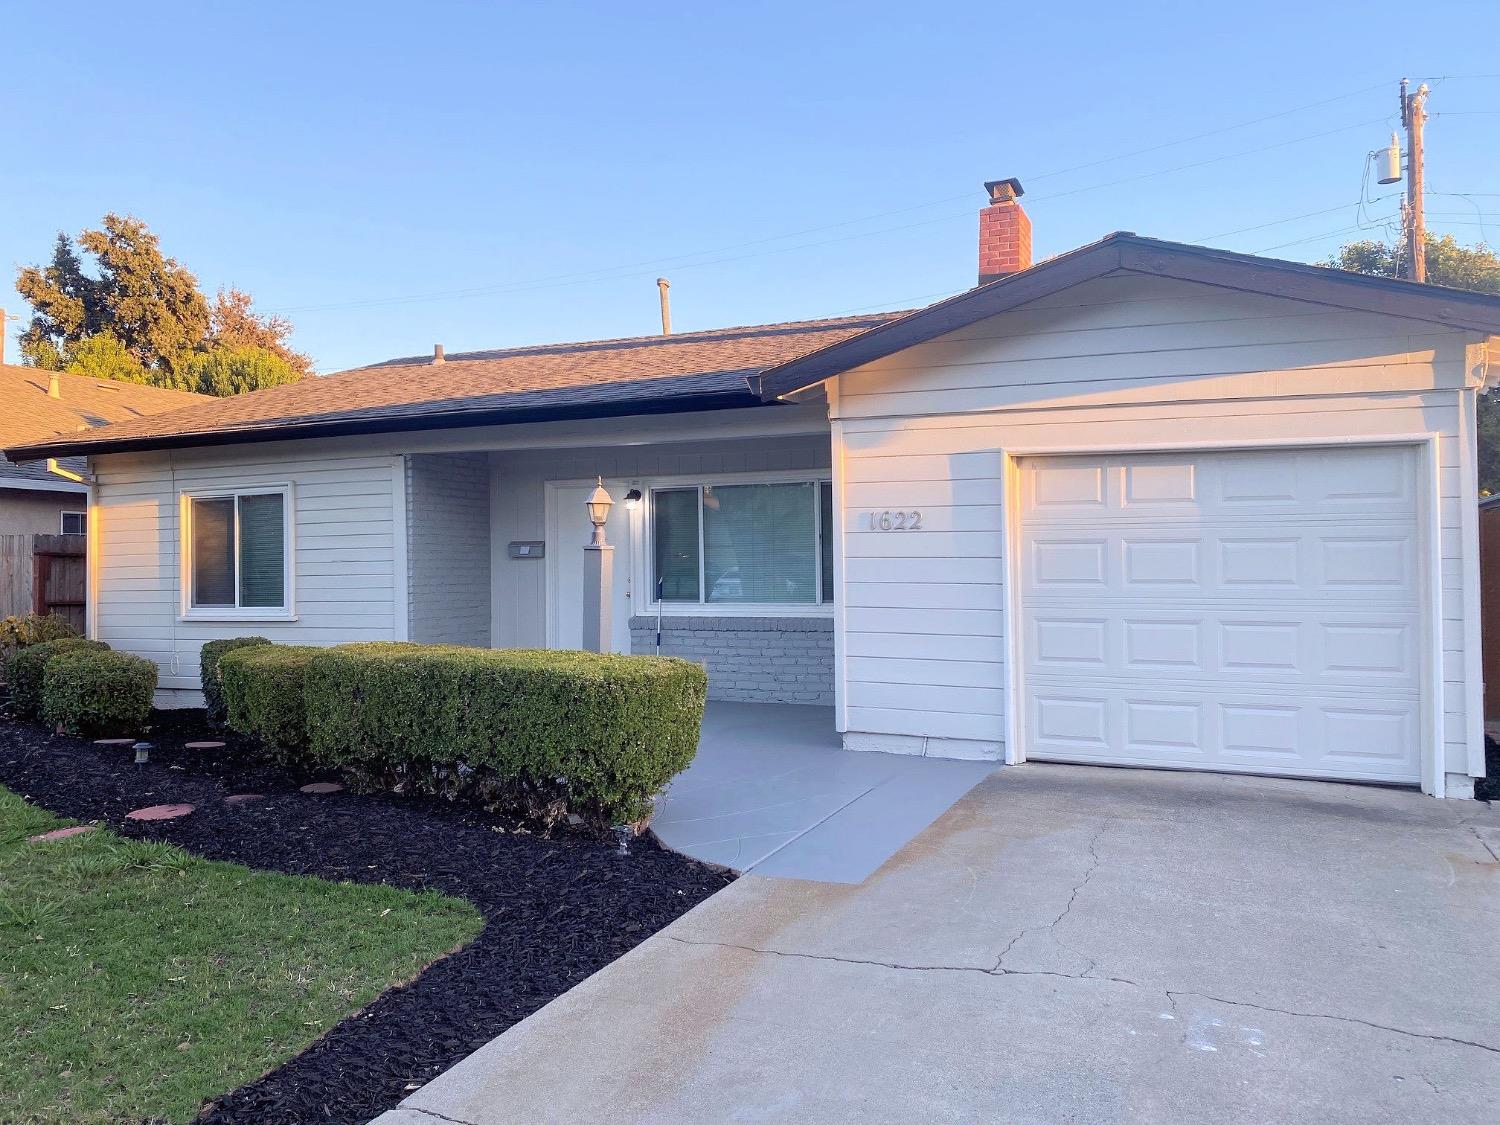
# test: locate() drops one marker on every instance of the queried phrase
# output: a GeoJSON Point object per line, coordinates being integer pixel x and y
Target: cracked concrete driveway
{"type": "Point", "coordinates": [1065, 944]}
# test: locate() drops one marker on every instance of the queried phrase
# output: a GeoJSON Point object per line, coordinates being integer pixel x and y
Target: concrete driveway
{"type": "Point", "coordinates": [1065, 944]}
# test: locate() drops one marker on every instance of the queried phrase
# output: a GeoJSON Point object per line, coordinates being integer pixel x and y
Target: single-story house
{"type": "Point", "coordinates": [1143, 503]}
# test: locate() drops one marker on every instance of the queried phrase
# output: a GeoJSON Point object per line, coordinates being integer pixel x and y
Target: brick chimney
{"type": "Point", "coordinates": [1004, 232]}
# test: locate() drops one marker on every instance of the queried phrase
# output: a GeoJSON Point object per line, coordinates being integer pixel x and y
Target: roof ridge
{"type": "Point", "coordinates": [634, 341]}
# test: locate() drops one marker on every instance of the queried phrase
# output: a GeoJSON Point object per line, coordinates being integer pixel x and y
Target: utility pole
{"type": "Point", "coordinates": [1413, 114]}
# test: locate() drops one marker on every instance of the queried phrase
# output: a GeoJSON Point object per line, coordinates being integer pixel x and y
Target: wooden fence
{"type": "Point", "coordinates": [44, 574]}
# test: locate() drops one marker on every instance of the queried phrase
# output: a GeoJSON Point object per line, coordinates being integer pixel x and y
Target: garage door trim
{"type": "Point", "coordinates": [1430, 669]}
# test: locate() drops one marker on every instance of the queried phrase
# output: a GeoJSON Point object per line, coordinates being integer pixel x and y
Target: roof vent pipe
{"type": "Point", "coordinates": [54, 386]}
{"type": "Point", "coordinates": [437, 354]}
{"type": "Point", "coordinates": [666, 305]}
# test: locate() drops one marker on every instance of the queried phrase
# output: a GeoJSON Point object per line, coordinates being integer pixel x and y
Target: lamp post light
{"type": "Point", "coordinates": [598, 576]}
{"type": "Point", "coordinates": [599, 503]}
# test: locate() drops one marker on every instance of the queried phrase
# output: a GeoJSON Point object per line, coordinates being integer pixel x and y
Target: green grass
{"type": "Point", "coordinates": [137, 981]}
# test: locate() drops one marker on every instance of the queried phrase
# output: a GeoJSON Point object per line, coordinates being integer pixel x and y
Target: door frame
{"type": "Point", "coordinates": [1429, 553]}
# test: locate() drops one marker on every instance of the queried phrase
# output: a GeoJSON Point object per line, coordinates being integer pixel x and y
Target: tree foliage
{"type": "Point", "coordinates": [233, 323]}
{"type": "Point", "coordinates": [1448, 263]}
{"type": "Point", "coordinates": [102, 356]}
{"type": "Point", "coordinates": [1460, 267]}
{"type": "Point", "coordinates": [233, 369]}
{"type": "Point", "coordinates": [140, 317]}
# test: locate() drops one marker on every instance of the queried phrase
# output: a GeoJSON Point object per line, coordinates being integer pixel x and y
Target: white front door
{"type": "Point", "coordinates": [1256, 612]}
{"type": "Point", "coordinates": [568, 530]}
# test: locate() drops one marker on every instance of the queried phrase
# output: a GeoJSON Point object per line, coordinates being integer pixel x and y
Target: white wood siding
{"type": "Point", "coordinates": [344, 558]}
{"type": "Point", "coordinates": [1118, 362]}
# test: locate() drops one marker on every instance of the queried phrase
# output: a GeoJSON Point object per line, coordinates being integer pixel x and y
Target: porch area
{"type": "Point", "coordinates": [772, 792]}
{"type": "Point", "coordinates": [720, 547]}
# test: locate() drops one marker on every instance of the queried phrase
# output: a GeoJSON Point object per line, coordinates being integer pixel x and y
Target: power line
{"type": "Point", "coordinates": [1311, 238]}
{"type": "Point", "coordinates": [616, 273]}
{"type": "Point", "coordinates": [1279, 222]}
{"type": "Point", "coordinates": [1210, 133]}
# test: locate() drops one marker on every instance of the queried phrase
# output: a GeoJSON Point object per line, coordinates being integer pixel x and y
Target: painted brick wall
{"type": "Point", "coordinates": [750, 659]}
{"type": "Point", "coordinates": [448, 548]}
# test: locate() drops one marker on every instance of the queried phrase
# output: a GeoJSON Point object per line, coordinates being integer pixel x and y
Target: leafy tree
{"type": "Point", "coordinates": [102, 356]}
{"type": "Point", "coordinates": [1448, 263]}
{"type": "Point", "coordinates": [141, 317]}
{"type": "Point", "coordinates": [155, 308]}
{"type": "Point", "coordinates": [67, 304]}
{"type": "Point", "coordinates": [235, 369]}
{"type": "Point", "coordinates": [1461, 267]}
{"type": "Point", "coordinates": [233, 323]}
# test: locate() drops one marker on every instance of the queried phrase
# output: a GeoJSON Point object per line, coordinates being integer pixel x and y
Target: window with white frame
{"type": "Point", "coordinates": [743, 544]}
{"type": "Point", "coordinates": [74, 523]}
{"type": "Point", "coordinates": [236, 557]}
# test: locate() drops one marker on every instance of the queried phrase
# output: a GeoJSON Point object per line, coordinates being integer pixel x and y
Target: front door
{"type": "Point", "coordinates": [568, 530]}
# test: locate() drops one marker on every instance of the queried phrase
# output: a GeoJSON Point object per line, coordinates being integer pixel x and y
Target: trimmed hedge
{"type": "Point", "coordinates": [602, 733]}
{"type": "Point", "coordinates": [96, 692]}
{"type": "Point", "coordinates": [24, 671]}
{"type": "Point", "coordinates": [264, 694]}
{"type": "Point", "coordinates": [208, 672]}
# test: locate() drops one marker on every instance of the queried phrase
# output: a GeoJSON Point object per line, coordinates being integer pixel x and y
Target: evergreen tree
{"type": "Point", "coordinates": [67, 306]}
{"type": "Point", "coordinates": [140, 317]}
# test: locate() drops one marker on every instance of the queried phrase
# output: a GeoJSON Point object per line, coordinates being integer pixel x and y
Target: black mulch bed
{"type": "Point", "coordinates": [556, 910]}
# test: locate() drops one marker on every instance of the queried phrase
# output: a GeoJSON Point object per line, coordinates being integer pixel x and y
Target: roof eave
{"type": "Point", "coordinates": [292, 431]}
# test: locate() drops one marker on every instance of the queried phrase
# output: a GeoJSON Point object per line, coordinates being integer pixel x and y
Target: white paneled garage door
{"type": "Point", "coordinates": [1247, 611]}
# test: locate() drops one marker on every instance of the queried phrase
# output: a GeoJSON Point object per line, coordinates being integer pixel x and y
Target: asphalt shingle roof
{"type": "Point", "coordinates": [603, 375]}
{"type": "Point", "coordinates": [28, 415]}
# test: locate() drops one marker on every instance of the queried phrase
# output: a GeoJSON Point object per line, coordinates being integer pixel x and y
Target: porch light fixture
{"type": "Point", "coordinates": [599, 503]}
{"type": "Point", "coordinates": [632, 499]}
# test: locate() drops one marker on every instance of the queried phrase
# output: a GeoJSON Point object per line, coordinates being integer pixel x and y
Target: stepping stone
{"type": "Point", "coordinates": [203, 745]}
{"type": "Point", "coordinates": [114, 742]}
{"type": "Point", "coordinates": [320, 787]}
{"type": "Point", "coordinates": [159, 812]}
{"type": "Point", "coordinates": [60, 834]}
{"type": "Point", "coordinates": [243, 798]}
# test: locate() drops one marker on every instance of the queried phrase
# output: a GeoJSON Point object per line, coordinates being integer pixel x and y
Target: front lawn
{"type": "Point", "coordinates": [138, 981]}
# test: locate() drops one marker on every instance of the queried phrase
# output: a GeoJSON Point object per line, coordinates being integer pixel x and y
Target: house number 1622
{"type": "Point", "coordinates": [895, 521]}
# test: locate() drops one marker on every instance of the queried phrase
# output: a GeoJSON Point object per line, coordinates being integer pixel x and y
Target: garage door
{"type": "Point", "coordinates": [1254, 612]}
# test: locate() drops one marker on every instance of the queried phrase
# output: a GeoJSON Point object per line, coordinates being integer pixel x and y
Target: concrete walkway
{"type": "Point", "coordinates": [1066, 944]}
{"type": "Point", "coordinates": [773, 791]}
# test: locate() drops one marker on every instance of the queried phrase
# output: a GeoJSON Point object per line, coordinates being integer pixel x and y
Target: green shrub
{"type": "Point", "coordinates": [96, 692]}
{"type": "Point", "coordinates": [208, 671]}
{"type": "Point", "coordinates": [28, 629]}
{"type": "Point", "coordinates": [264, 695]}
{"type": "Point", "coordinates": [24, 671]}
{"type": "Point", "coordinates": [601, 733]}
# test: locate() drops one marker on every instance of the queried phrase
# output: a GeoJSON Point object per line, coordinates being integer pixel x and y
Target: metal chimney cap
{"type": "Point", "coordinates": [1003, 191]}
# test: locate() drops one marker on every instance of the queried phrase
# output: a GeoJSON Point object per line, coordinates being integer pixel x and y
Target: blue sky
{"type": "Point", "coordinates": [391, 176]}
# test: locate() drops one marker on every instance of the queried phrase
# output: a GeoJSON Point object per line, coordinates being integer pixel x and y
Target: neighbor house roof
{"type": "Point", "coordinates": [29, 415]}
{"type": "Point", "coordinates": [599, 378]}
{"type": "Point", "coordinates": [1125, 253]}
